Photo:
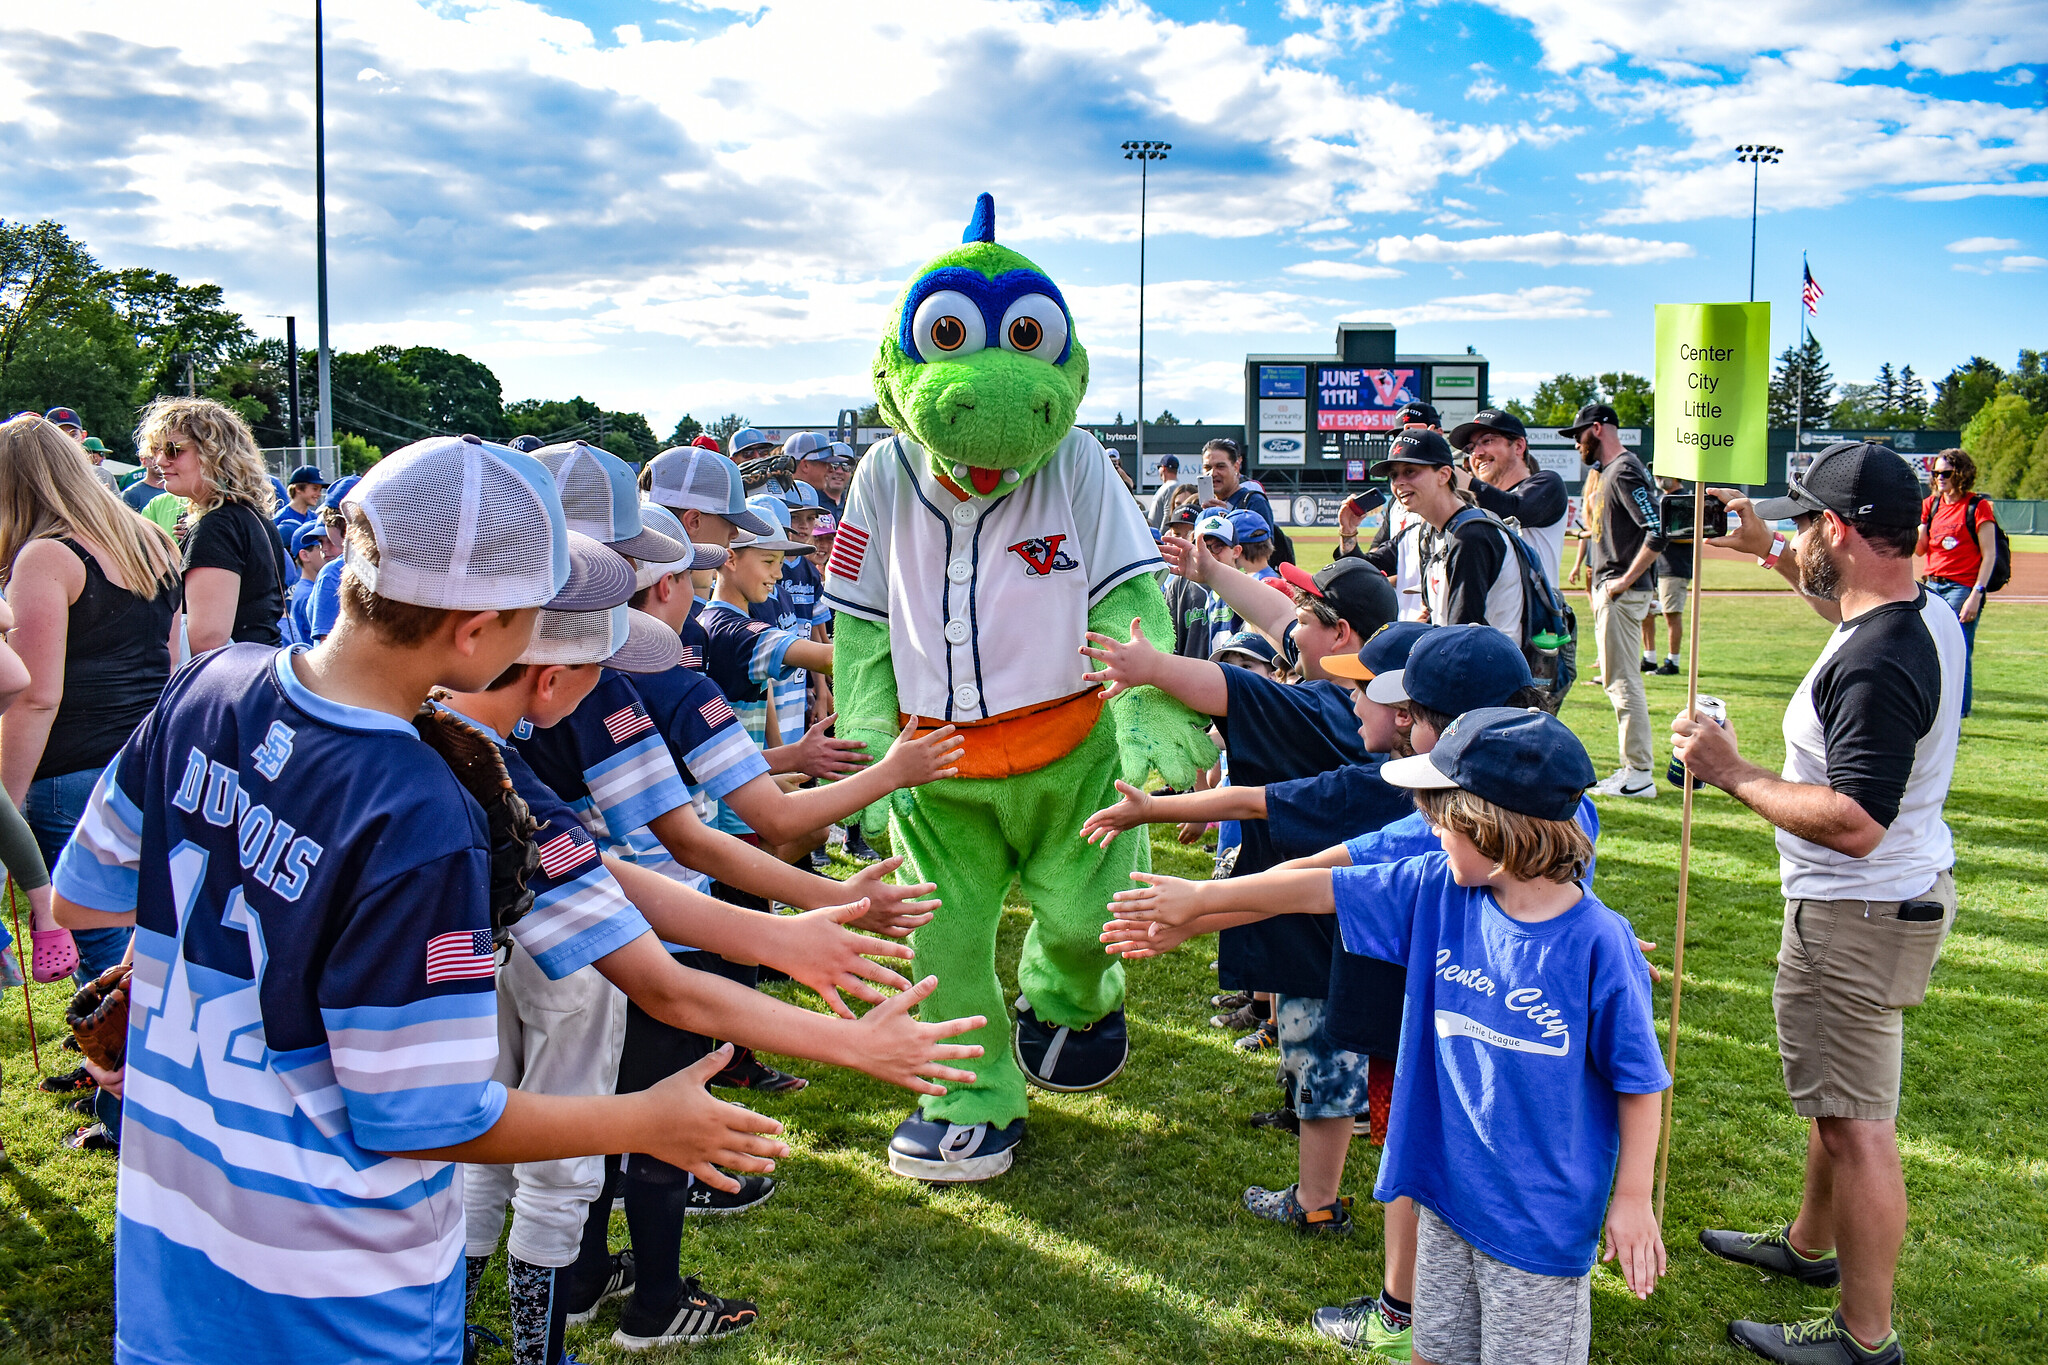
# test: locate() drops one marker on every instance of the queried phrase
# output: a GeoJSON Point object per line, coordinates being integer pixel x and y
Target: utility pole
{"type": "Point", "coordinates": [291, 349]}
{"type": "Point", "coordinates": [1144, 153]}
{"type": "Point", "coordinates": [324, 438]}
{"type": "Point", "coordinates": [191, 382]}
{"type": "Point", "coordinates": [1758, 156]}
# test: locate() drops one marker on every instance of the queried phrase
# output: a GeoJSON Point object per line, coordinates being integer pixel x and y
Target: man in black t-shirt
{"type": "Point", "coordinates": [1630, 537]}
{"type": "Point", "coordinates": [1866, 861]}
{"type": "Point", "coordinates": [1674, 584]}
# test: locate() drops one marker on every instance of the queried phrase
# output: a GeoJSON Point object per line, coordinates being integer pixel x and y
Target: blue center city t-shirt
{"type": "Point", "coordinates": [312, 991]}
{"type": "Point", "coordinates": [1278, 731]}
{"type": "Point", "coordinates": [1516, 1042]}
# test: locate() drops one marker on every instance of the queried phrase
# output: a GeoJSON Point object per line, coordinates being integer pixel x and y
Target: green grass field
{"type": "Point", "coordinates": [1118, 1236]}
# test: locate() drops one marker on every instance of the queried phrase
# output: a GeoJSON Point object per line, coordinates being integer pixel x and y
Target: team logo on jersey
{"type": "Point", "coordinates": [565, 853]}
{"type": "Point", "coordinates": [1043, 556]}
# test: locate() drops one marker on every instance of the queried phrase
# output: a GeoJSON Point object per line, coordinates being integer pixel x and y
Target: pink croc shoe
{"type": "Point", "coordinates": [55, 956]}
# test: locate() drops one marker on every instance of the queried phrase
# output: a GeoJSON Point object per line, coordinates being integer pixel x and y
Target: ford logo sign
{"type": "Point", "coordinates": [1280, 445]}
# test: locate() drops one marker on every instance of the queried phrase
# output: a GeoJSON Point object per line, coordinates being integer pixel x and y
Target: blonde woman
{"type": "Point", "coordinates": [236, 567]}
{"type": "Point", "coordinates": [93, 588]}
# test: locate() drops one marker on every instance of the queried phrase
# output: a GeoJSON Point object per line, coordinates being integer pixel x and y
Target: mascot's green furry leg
{"type": "Point", "coordinates": [970, 836]}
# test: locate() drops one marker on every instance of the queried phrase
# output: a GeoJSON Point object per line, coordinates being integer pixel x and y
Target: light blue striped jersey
{"type": "Point", "coordinates": [711, 748]}
{"type": "Point", "coordinates": [744, 656]}
{"type": "Point", "coordinates": [608, 762]}
{"type": "Point", "coordinates": [312, 990]}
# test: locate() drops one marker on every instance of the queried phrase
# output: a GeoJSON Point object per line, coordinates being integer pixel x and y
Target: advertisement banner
{"type": "Point", "coordinates": [1282, 447]}
{"type": "Point", "coordinates": [1283, 414]}
{"type": "Point", "coordinates": [1283, 381]}
{"type": "Point", "coordinates": [1363, 399]}
{"type": "Point", "coordinates": [1454, 381]}
{"type": "Point", "coordinates": [1713, 391]}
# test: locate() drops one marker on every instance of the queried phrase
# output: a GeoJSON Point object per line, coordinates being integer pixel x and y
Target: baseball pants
{"type": "Point", "coordinates": [554, 1038]}
{"type": "Point", "coordinates": [972, 836]}
{"type": "Point", "coordinates": [1618, 622]}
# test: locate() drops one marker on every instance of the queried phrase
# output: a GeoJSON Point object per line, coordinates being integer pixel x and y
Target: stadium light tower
{"type": "Point", "coordinates": [1758, 156]}
{"type": "Point", "coordinates": [1144, 153]}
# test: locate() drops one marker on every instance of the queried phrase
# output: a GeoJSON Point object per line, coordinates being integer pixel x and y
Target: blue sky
{"type": "Point", "coordinates": [671, 206]}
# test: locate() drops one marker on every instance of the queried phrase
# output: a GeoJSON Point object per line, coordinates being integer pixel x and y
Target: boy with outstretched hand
{"type": "Point", "coordinates": [1530, 1070]}
{"type": "Point", "coordinates": [313, 1026]}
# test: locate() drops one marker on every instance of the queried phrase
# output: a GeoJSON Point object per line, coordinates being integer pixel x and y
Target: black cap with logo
{"type": "Point", "coordinates": [1588, 415]}
{"type": "Point", "coordinates": [1492, 419]}
{"type": "Point", "coordinates": [1856, 480]}
{"type": "Point", "coordinates": [1360, 594]}
{"type": "Point", "coordinates": [1416, 445]}
{"type": "Point", "coordinates": [1420, 414]}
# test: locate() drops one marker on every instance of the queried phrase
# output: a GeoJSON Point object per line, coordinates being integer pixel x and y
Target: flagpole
{"type": "Point", "coordinates": [1799, 376]}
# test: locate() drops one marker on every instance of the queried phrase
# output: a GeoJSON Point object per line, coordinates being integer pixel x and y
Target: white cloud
{"type": "Point", "coordinates": [1342, 270]}
{"type": "Point", "coordinates": [1941, 194]}
{"type": "Point", "coordinates": [1537, 304]}
{"type": "Point", "coordinates": [1485, 90]}
{"type": "Point", "coordinates": [2023, 76]}
{"type": "Point", "coordinates": [2019, 263]}
{"type": "Point", "coordinates": [1533, 248]}
{"type": "Point", "coordinates": [1975, 244]}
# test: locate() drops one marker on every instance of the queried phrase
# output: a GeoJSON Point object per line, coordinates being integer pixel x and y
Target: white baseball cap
{"type": "Point", "coordinates": [807, 445]}
{"type": "Point", "coordinates": [746, 438]}
{"type": "Point", "coordinates": [694, 556]}
{"type": "Point", "coordinates": [774, 510]}
{"type": "Point", "coordinates": [630, 641]}
{"type": "Point", "coordinates": [601, 498]}
{"type": "Point", "coordinates": [691, 478]}
{"type": "Point", "coordinates": [1217, 527]}
{"type": "Point", "coordinates": [463, 525]}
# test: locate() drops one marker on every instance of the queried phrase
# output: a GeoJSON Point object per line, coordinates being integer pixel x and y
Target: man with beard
{"type": "Point", "coordinates": [1866, 861]}
{"type": "Point", "coordinates": [1629, 539]}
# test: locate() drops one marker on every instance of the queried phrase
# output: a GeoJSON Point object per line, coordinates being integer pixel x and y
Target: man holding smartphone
{"type": "Point", "coordinates": [1867, 865]}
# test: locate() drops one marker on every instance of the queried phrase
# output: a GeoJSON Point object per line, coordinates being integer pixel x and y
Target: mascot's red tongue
{"type": "Point", "coordinates": [985, 481]}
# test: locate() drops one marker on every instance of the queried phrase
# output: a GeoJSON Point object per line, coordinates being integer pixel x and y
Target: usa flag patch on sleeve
{"type": "Point", "coordinates": [849, 548]}
{"type": "Point", "coordinates": [460, 956]}
{"type": "Point", "coordinates": [565, 853]}
{"type": "Point", "coordinates": [717, 712]}
{"type": "Point", "coordinates": [627, 722]}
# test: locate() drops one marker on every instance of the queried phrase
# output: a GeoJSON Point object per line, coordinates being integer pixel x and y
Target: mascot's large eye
{"type": "Point", "coordinates": [1035, 326]}
{"type": "Point", "coordinates": [948, 324]}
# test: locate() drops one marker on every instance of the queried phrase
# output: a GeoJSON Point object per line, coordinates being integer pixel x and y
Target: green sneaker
{"type": "Point", "coordinates": [1817, 1341]}
{"type": "Point", "coordinates": [1772, 1250]}
{"type": "Point", "coordinates": [1360, 1325]}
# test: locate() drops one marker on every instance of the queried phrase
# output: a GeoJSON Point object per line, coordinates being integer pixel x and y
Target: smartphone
{"type": "Point", "coordinates": [1206, 486]}
{"type": "Point", "coordinates": [1675, 510]}
{"type": "Point", "coordinates": [1371, 500]}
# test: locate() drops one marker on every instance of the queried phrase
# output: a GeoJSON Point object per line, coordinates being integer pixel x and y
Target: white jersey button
{"type": "Point", "coordinates": [963, 514]}
{"type": "Point", "coordinates": [956, 632]}
{"type": "Point", "coordinates": [959, 571]}
{"type": "Point", "coordinates": [966, 697]}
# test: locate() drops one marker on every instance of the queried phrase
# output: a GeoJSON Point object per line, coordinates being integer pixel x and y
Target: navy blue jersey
{"type": "Point", "coordinates": [607, 762]}
{"type": "Point", "coordinates": [1277, 731]}
{"type": "Point", "coordinates": [711, 749]}
{"type": "Point", "coordinates": [312, 990]}
{"type": "Point", "coordinates": [696, 644]}
{"type": "Point", "coordinates": [746, 657]}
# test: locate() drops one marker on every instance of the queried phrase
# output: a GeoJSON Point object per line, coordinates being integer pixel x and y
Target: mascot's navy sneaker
{"type": "Point", "coordinates": [933, 1149]}
{"type": "Point", "coordinates": [1055, 1057]}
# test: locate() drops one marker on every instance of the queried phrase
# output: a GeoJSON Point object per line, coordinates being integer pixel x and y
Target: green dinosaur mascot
{"type": "Point", "coordinates": [980, 544]}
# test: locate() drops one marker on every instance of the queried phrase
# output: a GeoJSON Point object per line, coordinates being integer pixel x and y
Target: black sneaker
{"type": "Point", "coordinates": [1668, 669]}
{"type": "Point", "coordinates": [747, 1072]}
{"type": "Point", "coordinates": [817, 860]}
{"type": "Point", "coordinates": [70, 1083]}
{"type": "Point", "coordinates": [1055, 1057]}
{"type": "Point", "coordinates": [1649, 665]}
{"type": "Point", "coordinates": [952, 1153]}
{"type": "Point", "coordinates": [1817, 1341]}
{"type": "Point", "coordinates": [1236, 1000]}
{"type": "Point", "coordinates": [857, 846]}
{"type": "Point", "coordinates": [1286, 1120]}
{"type": "Point", "coordinates": [584, 1299]}
{"type": "Point", "coordinates": [1245, 1016]}
{"type": "Point", "coordinates": [1772, 1250]}
{"type": "Point", "coordinates": [696, 1316]}
{"type": "Point", "coordinates": [754, 1190]}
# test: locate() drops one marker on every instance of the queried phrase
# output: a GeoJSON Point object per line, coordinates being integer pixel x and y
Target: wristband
{"type": "Point", "coordinates": [1770, 561]}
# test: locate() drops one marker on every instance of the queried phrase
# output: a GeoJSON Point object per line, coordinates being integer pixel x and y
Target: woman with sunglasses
{"type": "Point", "coordinates": [1959, 539]}
{"type": "Point", "coordinates": [236, 565]}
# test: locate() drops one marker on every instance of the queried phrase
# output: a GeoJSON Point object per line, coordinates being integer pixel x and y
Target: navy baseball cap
{"type": "Point", "coordinates": [1588, 415]}
{"type": "Point", "coordinates": [1246, 642]}
{"type": "Point", "coordinates": [339, 489]}
{"type": "Point", "coordinates": [312, 531]}
{"type": "Point", "coordinates": [1170, 462]}
{"type": "Point", "coordinates": [1385, 652]}
{"type": "Point", "coordinates": [1524, 761]}
{"type": "Point", "coordinates": [1491, 419]}
{"type": "Point", "coordinates": [526, 444]}
{"type": "Point", "coordinates": [1251, 528]}
{"type": "Point", "coordinates": [1187, 514]}
{"type": "Point", "coordinates": [308, 473]}
{"type": "Point", "coordinates": [1457, 669]}
{"type": "Point", "coordinates": [63, 417]}
{"type": "Point", "coordinates": [1417, 445]}
{"type": "Point", "coordinates": [1423, 413]}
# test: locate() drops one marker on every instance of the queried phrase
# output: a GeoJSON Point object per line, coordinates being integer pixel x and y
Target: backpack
{"type": "Point", "coordinates": [1548, 623]}
{"type": "Point", "coordinates": [2001, 557]}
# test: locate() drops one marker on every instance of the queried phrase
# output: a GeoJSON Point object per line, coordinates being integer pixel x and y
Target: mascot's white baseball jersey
{"type": "Point", "coordinates": [979, 593]}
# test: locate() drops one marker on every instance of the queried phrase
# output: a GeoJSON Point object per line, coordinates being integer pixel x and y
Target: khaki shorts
{"type": "Point", "coordinates": [1846, 972]}
{"type": "Point", "coordinates": [1671, 596]}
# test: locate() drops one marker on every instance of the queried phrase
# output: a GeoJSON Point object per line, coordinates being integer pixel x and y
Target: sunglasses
{"type": "Point", "coordinates": [1944, 473]}
{"type": "Point", "coordinates": [170, 450]}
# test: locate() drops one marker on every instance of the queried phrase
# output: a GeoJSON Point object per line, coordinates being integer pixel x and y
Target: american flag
{"type": "Point", "coordinates": [716, 712]}
{"type": "Point", "coordinates": [849, 548]}
{"type": "Point", "coordinates": [566, 852]}
{"type": "Point", "coordinates": [1811, 291]}
{"type": "Point", "coordinates": [627, 722]}
{"type": "Point", "coordinates": [460, 955]}
{"type": "Point", "coordinates": [693, 657]}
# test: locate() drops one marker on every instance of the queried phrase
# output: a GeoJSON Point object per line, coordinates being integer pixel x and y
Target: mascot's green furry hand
{"type": "Point", "coordinates": [1157, 733]}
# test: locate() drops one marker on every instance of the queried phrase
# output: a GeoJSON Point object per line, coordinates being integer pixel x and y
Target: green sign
{"type": "Point", "coordinates": [1713, 391]}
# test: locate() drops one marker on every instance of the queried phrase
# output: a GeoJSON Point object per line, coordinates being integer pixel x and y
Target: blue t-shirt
{"type": "Point", "coordinates": [312, 991]}
{"type": "Point", "coordinates": [711, 749]}
{"type": "Point", "coordinates": [1516, 1042]}
{"type": "Point", "coordinates": [326, 607]}
{"type": "Point", "coordinates": [298, 613]}
{"type": "Point", "coordinates": [140, 494]}
{"type": "Point", "coordinates": [607, 761]}
{"type": "Point", "coordinates": [1249, 498]}
{"type": "Point", "coordinates": [288, 520]}
{"type": "Point", "coordinates": [1276, 731]}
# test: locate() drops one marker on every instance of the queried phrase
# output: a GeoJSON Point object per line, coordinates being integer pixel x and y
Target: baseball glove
{"type": "Point", "coordinates": [98, 1016]}
{"type": "Point", "coordinates": [775, 466]}
{"type": "Point", "coordinates": [474, 758]}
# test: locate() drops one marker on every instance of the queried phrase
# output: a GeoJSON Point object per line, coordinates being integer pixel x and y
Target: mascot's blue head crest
{"type": "Point", "coordinates": [982, 226]}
